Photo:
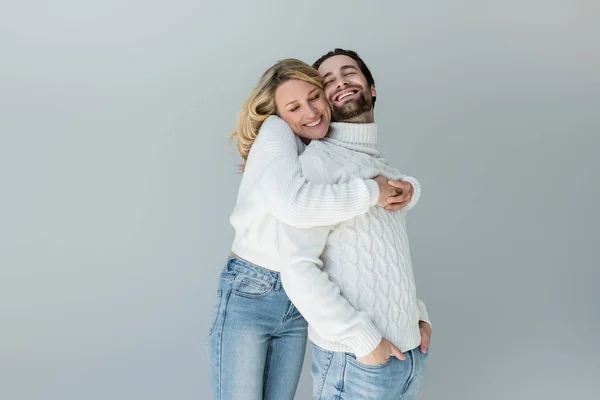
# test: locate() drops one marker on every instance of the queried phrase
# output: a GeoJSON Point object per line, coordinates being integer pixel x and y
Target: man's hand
{"type": "Point", "coordinates": [381, 354]}
{"type": "Point", "coordinates": [393, 195]}
{"type": "Point", "coordinates": [425, 329]}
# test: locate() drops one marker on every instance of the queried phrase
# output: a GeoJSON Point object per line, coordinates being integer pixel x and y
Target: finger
{"type": "Point", "coordinates": [399, 184]}
{"type": "Point", "coordinates": [397, 206]}
{"type": "Point", "coordinates": [397, 353]}
{"type": "Point", "coordinates": [398, 199]}
{"type": "Point", "coordinates": [424, 343]}
{"type": "Point", "coordinates": [365, 362]}
{"type": "Point", "coordinates": [405, 187]}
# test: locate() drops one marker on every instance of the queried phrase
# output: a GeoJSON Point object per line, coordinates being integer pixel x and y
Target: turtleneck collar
{"type": "Point", "coordinates": [354, 134]}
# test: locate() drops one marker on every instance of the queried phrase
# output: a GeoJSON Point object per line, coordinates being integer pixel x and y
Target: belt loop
{"type": "Point", "coordinates": [229, 261]}
{"type": "Point", "coordinates": [278, 283]}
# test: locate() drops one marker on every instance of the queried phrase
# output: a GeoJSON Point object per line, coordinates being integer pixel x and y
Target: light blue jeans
{"type": "Point", "coordinates": [339, 376]}
{"type": "Point", "coordinates": [257, 338]}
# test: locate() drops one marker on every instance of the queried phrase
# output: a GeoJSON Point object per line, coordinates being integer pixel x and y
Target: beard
{"type": "Point", "coordinates": [352, 109]}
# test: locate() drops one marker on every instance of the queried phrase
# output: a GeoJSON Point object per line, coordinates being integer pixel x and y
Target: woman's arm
{"type": "Point", "coordinates": [287, 193]}
{"type": "Point", "coordinates": [417, 191]}
{"type": "Point", "coordinates": [319, 299]}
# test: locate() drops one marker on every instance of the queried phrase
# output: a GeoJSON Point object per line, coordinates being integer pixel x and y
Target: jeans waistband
{"type": "Point", "coordinates": [237, 264]}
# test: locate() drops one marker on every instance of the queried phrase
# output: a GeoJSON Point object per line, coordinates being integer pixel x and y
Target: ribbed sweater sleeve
{"type": "Point", "coordinates": [287, 193]}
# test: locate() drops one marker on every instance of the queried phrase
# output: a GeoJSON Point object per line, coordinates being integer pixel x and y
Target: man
{"type": "Point", "coordinates": [353, 282]}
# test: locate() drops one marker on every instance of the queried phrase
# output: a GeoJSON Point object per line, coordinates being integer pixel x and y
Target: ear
{"type": "Point", "coordinates": [373, 91]}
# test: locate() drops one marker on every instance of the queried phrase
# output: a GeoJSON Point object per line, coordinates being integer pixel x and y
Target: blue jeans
{"type": "Point", "coordinates": [257, 338]}
{"type": "Point", "coordinates": [339, 376]}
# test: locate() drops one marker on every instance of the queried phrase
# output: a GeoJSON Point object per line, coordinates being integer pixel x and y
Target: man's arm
{"type": "Point", "coordinates": [424, 327]}
{"type": "Point", "coordinates": [423, 316]}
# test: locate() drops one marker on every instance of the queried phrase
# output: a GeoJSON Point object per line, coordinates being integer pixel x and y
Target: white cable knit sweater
{"type": "Point", "coordinates": [353, 282]}
{"type": "Point", "coordinates": [273, 190]}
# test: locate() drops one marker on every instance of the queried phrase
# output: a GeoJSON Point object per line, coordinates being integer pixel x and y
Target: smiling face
{"type": "Point", "coordinates": [347, 90]}
{"type": "Point", "coordinates": [304, 107]}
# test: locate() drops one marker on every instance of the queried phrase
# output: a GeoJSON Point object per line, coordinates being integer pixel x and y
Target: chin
{"type": "Point", "coordinates": [317, 136]}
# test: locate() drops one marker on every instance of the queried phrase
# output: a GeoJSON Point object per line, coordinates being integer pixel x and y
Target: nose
{"type": "Point", "coordinates": [342, 81]}
{"type": "Point", "coordinates": [312, 111]}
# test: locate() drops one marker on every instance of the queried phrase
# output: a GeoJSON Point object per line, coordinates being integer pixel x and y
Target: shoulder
{"type": "Point", "coordinates": [314, 151]}
{"type": "Point", "coordinates": [316, 161]}
{"type": "Point", "coordinates": [275, 129]}
{"type": "Point", "coordinates": [324, 151]}
{"type": "Point", "coordinates": [277, 138]}
{"type": "Point", "coordinates": [273, 121]}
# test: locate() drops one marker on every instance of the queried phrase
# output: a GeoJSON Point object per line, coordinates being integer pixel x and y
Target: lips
{"type": "Point", "coordinates": [344, 93]}
{"type": "Point", "coordinates": [314, 123]}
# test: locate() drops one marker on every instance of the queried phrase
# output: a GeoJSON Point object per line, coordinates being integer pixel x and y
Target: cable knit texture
{"type": "Point", "coordinates": [362, 288]}
{"type": "Point", "coordinates": [273, 190]}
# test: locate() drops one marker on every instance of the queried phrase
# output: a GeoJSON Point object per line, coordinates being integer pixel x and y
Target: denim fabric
{"type": "Point", "coordinates": [257, 338]}
{"type": "Point", "coordinates": [339, 376]}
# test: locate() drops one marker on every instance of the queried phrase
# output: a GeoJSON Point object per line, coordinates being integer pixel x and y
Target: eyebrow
{"type": "Point", "coordinates": [344, 67]}
{"type": "Point", "coordinates": [295, 101]}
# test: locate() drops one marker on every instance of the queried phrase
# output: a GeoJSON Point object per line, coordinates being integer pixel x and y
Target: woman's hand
{"type": "Point", "coordinates": [393, 195]}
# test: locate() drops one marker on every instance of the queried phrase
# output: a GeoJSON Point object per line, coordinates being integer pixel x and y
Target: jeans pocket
{"type": "Point", "coordinates": [351, 359]}
{"type": "Point", "coordinates": [321, 362]}
{"type": "Point", "coordinates": [215, 312]}
{"type": "Point", "coordinates": [251, 287]}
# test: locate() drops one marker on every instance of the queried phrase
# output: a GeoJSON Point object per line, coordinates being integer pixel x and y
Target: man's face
{"type": "Point", "coordinates": [347, 90]}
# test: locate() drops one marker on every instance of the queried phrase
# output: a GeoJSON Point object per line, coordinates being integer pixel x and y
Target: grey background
{"type": "Point", "coordinates": [117, 183]}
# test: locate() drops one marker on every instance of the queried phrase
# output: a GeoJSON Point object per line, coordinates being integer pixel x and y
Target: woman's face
{"type": "Point", "coordinates": [304, 107]}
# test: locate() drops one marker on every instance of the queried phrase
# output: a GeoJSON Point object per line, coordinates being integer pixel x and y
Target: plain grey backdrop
{"type": "Point", "coordinates": [117, 182]}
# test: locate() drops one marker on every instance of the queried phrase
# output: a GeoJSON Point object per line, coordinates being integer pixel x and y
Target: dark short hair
{"type": "Point", "coordinates": [353, 55]}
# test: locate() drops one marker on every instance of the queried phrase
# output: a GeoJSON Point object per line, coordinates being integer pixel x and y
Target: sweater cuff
{"type": "Point", "coordinates": [374, 190]}
{"type": "Point", "coordinates": [417, 192]}
{"type": "Point", "coordinates": [423, 316]}
{"type": "Point", "coordinates": [366, 341]}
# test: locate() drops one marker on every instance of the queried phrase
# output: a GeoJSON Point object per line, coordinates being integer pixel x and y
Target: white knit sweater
{"type": "Point", "coordinates": [273, 190]}
{"type": "Point", "coordinates": [353, 282]}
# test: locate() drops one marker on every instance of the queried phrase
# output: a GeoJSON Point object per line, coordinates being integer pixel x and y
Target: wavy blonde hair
{"type": "Point", "coordinates": [261, 102]}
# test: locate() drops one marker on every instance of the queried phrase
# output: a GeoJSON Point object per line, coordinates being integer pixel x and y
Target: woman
{"type": "Point", "coordinates": [257, 338]}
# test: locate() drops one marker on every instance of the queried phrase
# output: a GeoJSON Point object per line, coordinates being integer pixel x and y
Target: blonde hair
{"type": "Point", "coordinates": [261, 102]}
